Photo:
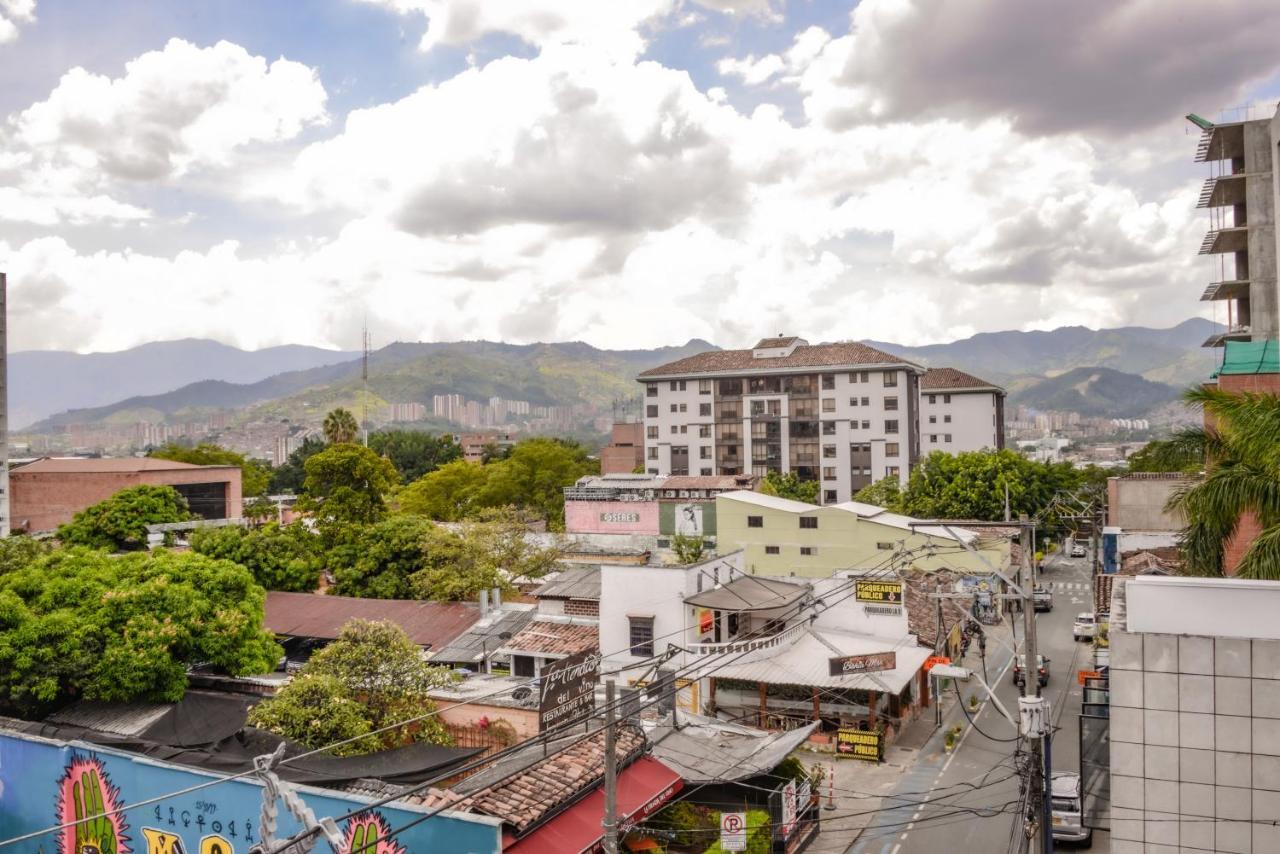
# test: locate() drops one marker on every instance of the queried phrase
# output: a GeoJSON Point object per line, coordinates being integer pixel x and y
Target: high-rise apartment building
{"type": "Point", "coordinates": [842, 414]}
{"type": "Point", "coordinates": [1241, 194]}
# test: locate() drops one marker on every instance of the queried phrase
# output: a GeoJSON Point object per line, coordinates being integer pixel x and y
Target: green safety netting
{"type": "Point", "coordinates": [1250, 357]}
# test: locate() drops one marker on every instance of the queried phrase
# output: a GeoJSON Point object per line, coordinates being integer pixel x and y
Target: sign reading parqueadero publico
{"type": "Point", "coordinates": [567, 688]}
{"type": "Point", "coordinates": [879, 592]}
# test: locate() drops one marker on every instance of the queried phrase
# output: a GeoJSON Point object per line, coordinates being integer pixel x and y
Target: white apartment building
{"type": "Point", "coordinates": [959, 412]}
{"type": "Point", "coordinates": [844, 414]}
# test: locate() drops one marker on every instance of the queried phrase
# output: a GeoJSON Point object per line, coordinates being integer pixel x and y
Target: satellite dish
{"type": "Point", "coordinates": [522, 693]}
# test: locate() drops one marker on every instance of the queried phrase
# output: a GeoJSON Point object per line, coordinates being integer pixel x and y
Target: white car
{"type": "Point", "coordinates": [1068, 821]}
{"type": "Point", "coordinates": [1085, 627]}
{"type": "Point", "coordinates": [1078, 550]}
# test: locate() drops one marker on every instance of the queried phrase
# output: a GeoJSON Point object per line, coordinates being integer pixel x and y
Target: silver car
{"type": "Point", "coordinates": [1068, 818]}
{"type": "Point", "coordinates": [1085, 627]}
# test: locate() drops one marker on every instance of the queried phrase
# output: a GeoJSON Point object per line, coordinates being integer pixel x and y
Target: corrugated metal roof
{"type": "Point", "coordinates": [578, 582]}
{"type": "Point", "coordinates": [470, 646]}
{"type": "Point", "coordinates": [112, 465]}
{"type": "Point", "coordinates": [751, 593]}
{"type": "Point", "coordinates": [131, 719]}
{"type": "Point", "coordinates": [707, 750]}
{"type": "Point", "coordinates": [805, 662]}
{"type": "Point", "coordinates": [312, 615]}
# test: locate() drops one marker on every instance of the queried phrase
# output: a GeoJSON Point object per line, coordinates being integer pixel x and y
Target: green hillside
{"type": "Point", "coordinates": [1095, 391]}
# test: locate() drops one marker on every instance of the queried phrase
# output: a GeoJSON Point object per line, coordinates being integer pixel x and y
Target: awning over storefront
{"type": "Point", "coordinates": [805, 662]}
{"type": "Point", "coordinates": [643, 787]}
{"type": "Point", "coordinates": [708, 750]}
{"type": "Point", "coordinates": [751, 593]}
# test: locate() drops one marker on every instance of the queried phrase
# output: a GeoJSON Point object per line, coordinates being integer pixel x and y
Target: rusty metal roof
{"type": "Point", "coordinates": [312, 615]}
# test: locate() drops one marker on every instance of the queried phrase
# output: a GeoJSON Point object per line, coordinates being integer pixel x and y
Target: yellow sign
{"type": "Point", "coordinates": [860, 744]}
{"type": "Point", "coordinates": [879, 592]}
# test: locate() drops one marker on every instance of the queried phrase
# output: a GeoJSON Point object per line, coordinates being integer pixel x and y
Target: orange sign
{"type": "Point", "coordinates": [935, 659]}
{"type": "Point", "coordinates": [1082, 675]}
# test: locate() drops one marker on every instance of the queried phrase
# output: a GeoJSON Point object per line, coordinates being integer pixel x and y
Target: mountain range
{"type": "Point", "coordinates": [1121, 372]}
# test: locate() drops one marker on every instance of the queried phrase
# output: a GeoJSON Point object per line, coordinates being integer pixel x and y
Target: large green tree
{"type": "Point", "coordinates": [886, 493]}
{"type": "Point", "coordinates": [82, 623]}
{"type": "Point", "coordinates": [971, 485]}
{"type": "Point", "coordinates": [1240, 454]}
{"type": "Point", "coordinates": [415, 452]}
{"type": "Point", "coordinates": [288, 477]}
{"type": "Point", "coordinates": [1182, 452]}
{"type": "Point", "coordinates": [340, 426]}
{"type": "Point", "coordinates": [281, 557]}
{"type": "Point", "coordinates": [371, 677]}
{"type": "Point", "coordinates": [119, 523]}
{"type": "Point", "coordinates": [348, 484]}
{"type": "Point", "coordinates": [255, 476]}
{"type": "Point", "coordinates": [18, 551]}
{"type": "Point", "coordinates": [789, 485]}
{"type": "Point", "coordinates": [447, 494]}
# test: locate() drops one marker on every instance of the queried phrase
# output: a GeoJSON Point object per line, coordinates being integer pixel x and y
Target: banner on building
{"type": "Point", "coordinates": [879, 592]}
{"type": "Point", "coordinates": [567, 689]}
{"type": "Point", "coordinates": [854, 665]}
{"type": "Point", "coordinates": [860, 744]}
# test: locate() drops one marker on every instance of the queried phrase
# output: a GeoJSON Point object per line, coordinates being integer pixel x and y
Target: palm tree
{"type": "Point", "coordinates": [340, 426]}
{"type": "Point", "coordinates": [1241, 450]}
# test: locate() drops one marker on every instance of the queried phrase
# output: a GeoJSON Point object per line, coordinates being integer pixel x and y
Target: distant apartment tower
{"type": "Point", "coordinates": [447, 406]}
{"type": "Point", "coordinates": [843, 414]}
{"type": "Point", "coordinates": [4, 405]}
{"type": "Point", "coordinates": [408, 412]}
{"type": "Point", "coordinates": [1241, 195]}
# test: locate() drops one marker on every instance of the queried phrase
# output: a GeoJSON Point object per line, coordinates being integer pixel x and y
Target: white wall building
{"type": "Point", "coordinates": [843, 414]}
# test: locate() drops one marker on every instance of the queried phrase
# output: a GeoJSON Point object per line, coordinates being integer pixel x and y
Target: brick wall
{"type": "Point", "coordinates": [1240, 541]}
{"type": "Point", "coordinates": [582, 608]}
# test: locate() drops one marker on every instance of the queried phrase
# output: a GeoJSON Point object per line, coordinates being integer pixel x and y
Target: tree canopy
{"type": "Point", "coordinates": [340, 426]}
{"type": "Point", "coordinates": [1183, 452]}
{"type": "Point", "coordinates": [886, 492]}
{"type": "Point", "coordinates": [532, 477]}
{"type": "Point", "coordinates": [255, 476]}
{"type": "Point", "coordinates": [289, 476]}
{"type": "Point", "coordinates": [82, 623]}
{"type": "Point", "coordinates": [119, 523]}
{"type": "Point", "coordinates": [281, 557]}
{"type": "Point", "coordinates": [415, 452]}
{"type": "Point", "coordinates": [17, 551]}
{"type": "Point", "coordinates": [789, 485]}
{"type": "Point", "coordinates": [370, 677]}
{"type": "Point", "coordinates": [347, 484]}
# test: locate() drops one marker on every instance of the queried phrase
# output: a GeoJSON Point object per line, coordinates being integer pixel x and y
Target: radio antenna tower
{"type": "Point", "coordinates": [364, 375]}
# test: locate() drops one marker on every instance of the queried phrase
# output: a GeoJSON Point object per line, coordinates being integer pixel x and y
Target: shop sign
{"type": "Point", "coordinates": [622, 518]}
{"type": "Point", "coordinates": [879, 592]}
{"type": "Point", "coordinates": [860, 744]}
{"type": "Point", "coordinates": [567, 688]}
{"type": "Point", "coordinates": [854, 665]}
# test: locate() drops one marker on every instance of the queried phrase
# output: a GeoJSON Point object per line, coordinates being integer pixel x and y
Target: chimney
{"type": "Point", "coordinates": [497, 598]}
{"type": "Point", "coordinates": [484, 602]}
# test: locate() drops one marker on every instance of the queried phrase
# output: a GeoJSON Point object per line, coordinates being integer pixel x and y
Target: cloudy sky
{"type": "Point", "coordinates": [628, 174]}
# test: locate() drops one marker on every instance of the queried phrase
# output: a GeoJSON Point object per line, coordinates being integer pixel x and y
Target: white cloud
{"type": "Point", "coordinates": [13, 13]}
{"type": "Point", "coordinates": [752, 71]}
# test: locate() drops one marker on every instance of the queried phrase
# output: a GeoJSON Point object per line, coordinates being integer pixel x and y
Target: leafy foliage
{"type": "Point", "coordinates": [79, 622]}
{"type": "Point", "coordinates": [886, 493]}
{"type": "Point", "coordinates": [790, 486]}
{"type": "Point", "coordinates": [119, 523]}
{"type": "Point", "coordinates": [340, 426]}
{"type": "Point", "coordinates": [688, 548]}
{"type": "Point", "coordinates": [372, 676]}
{"type": "Point", "coordinates": [347, 484]}
{"type": "Point", "coordinates": [255, 476]}
{"type": "Point", "coordinates": [415, 453]}
{"type": "Point", "coordinates": [1184, 452]}
{"type": "Point", "coordinates": [289, 477]}
{"type": "Point", "coordinates": [17, 552]}
{"type": "Point", "coordinates": [281, 557]}
{"type": "Point", "coordinates": [532, 477]}
{"type": "Point", "coordinates": [971, 485]}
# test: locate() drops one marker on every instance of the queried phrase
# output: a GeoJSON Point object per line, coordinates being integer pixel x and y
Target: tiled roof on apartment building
{"type": "Point", "coordinates": [544, 637]}
{"type": "Point", "coordinates": [942, 379]}
{"type": "Point", "coordinates": [849, 353]}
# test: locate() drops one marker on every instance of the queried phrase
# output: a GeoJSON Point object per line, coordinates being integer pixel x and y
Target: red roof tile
{"type": "Point", "coordinates": [428, 624]}
{"type": "Point", "coordinates": [548, 638]}
{"type": "Point", "coordinates": [848, 353]}
{"type": "Point", "coordinates": [950, 378]}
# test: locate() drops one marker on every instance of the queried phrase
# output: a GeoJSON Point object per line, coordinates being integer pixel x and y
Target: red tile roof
{"type": "Point", "coordinates": [922, 608]}
{"type": "Point", "coordinates": [850, 353]}
{"type": "Point", "coordinates": [780, 343]}
{"type": "Point", "coordinates": [949, 378]}
{"type": "Point", "coordinates": [428, 624]}
{"type": "Point", "coordinates": [549, 638]}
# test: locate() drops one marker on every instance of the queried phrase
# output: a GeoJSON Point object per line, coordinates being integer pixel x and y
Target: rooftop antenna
{"type": "Point", "coordinates": [364, 375]}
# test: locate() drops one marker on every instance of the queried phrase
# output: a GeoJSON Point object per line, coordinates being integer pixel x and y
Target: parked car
{"type": "Point", "coordinates": [1077, 550]}
{"type": "Point", "coordinates": [1068, 816]}
{"type": "Point", "coordinates": [1021, 662]}
{"type": "Point", "coordinates": [1042, 598]}
{"type": "Point", "coordinates": [1085, 626]}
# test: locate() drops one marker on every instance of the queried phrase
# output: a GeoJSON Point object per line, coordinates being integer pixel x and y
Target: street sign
{"type": "Point", "coordinates": [879, 592]}
{"type": "Point", "coordinates": [1083, 675]}
{"type": "Point", "coordinates": [733, 831]}
{"type": "Point", "coordinates": [860, 744]}
{"type": "Point", "coordinates": [853, 665]}
{"type": "Point", "coordinates": [934, 660]}
{"type": "Point", "coordinates": [567, 688]}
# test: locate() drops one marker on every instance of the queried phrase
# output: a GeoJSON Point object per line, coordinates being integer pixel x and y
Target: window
{"type": "Point", "coordinates": [865, 377]}
{"type": "Point", "coordinates": [933, 419]}
{"type": "Point", "coordinates": [684, 428]}
{"type": "Point", "coordinates": [808, 551]}
{"type": "Point", "coordinates": [755, 521]}
{"type": "Point", "coordinates": [891, 426]}
{"type": "Point", "coordinates": [704, 432]}
{"type": "Point", "coordinates": [704, 410]}
{"type": "Point", "coordinates": [866, 401]}
{"type": "Point", "coordinates": [890, 379]}
{"type": "Point", "coordinates": [853, 401]}
{"type": "Point", "coordinates": [704, 386]}
{"type": "Point", "coordinates": [828, 452]}
{"type": "Point", "coordinates": [828, 404]}
{"type": "Point", "coordinates": [933, 398]}
{"type": "Point", "coordinates": [684, 407]}
{"type": "Point", "coordinates": [828, 473]}
{"type": "Point", "coordinates": [652, 471]}
{"type": "Point", "coordinates": [675, 408]}
{"type": "Point", "coordinates": [860, 448]}
{"type": "Point", "coordinates": [946, 398]}
{"type": "Point", "coordinates": [891, 403]}
{"type": "Point", "coordinates": [828, 382]}
{"type": "Point", "coordinates": [731, 387]}
{"type": "Point", "coordinates": [828, 428]}
{"type": "Point", "coordinates": [809, 521]}
{"type": "Point", "coordinates": [651, 432]}
{"type": "Point", "coordinates": [705, 472]}
{"type": "Point", "coordinates": [704, 452]}
{"type": "Point", "coordinates": [866, 425]}
{"type": "Point", "coordinates": [853, 376]}
{"type": "Point", "coordinates": [946, 437]}
{"type": "Point", "coordinates": [651, 390]}
{"type": "Point", "coordinates": [933, 438]}
{"type": "Point", "coordinates": [653, 452]}
{"type": "Point", "coordinates": [674, 385]}
{"type": "Point", "coordinates": [829, 496]}
{"type": "Point", "coordinates": [884, 547]}
{"type": "Point", "coordinates": [522, 665]}
{"type": "Point", "coordinates": [771, 550]}
{"type": "Point", "coordinates": [641, 635]}
{"type": "Point", "coordinates": [651, 411]}
{"type": "Point", "coordinates": [946, 419]}
{"type": "Point", "coordinates": [775, 407]}
{"type": "Point", "coordinates": [757, 407]}
{"type": "Point", "coordinates": [891, 471]}
{"type": "Point", "coordinates": [674, 429]}
{"type": "Point", "coordinates": [891, 449]}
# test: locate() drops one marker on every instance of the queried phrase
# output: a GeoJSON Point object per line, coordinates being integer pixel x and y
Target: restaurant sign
{"type": "Point", "coordinates": [567, 689]}
{"type": "Point", "coordinates": [879, 592]}
{"type": "Point", "coordinates": [860, 744]}
{"type": "Point", "coordinates": [854, 665]}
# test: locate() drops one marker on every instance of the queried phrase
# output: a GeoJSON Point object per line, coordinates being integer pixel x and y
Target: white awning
{"type": "Point", "coordinates": [805, 662]}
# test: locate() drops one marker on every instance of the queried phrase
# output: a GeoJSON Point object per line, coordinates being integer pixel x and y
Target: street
{"type": "Point", "coordinates": [964, 801]}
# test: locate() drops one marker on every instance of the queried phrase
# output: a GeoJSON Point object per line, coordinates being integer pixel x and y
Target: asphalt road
{"type": "Point", "coordinates": [933, 809]}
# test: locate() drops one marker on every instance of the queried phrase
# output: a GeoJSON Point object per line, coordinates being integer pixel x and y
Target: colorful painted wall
{"type": "Point", "coordinates": [611, 517]}
{"type": "Point", "coordinates": [44, 783]}
{"type": "Point", "coordinates": [688, 517]}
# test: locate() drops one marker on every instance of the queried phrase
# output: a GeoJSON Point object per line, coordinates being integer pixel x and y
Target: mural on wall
{"type": "Point", "coordinates": [689, 520]}
{"type": "Point", "coordinates": [85, 795]}
{"type": "Point", "coordinates": [363, 834]}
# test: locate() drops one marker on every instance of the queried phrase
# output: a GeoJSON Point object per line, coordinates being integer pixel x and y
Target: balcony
{"type": "Point", "coordinates": [1223, 191]}
{"type": "Point", "coordinates": [1219, 240]}
{"type": "Point", "coordinates": [751, 649]}
{"type": "Point", "coordinates": [1236, 332]}
{"type": "Point", "coordinates": [1227, 289]}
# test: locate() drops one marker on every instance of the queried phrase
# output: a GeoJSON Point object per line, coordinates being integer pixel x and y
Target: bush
{"type": "Point", "coordinates": [281, 557]}
{"type": "Point", "coordinates": [119, 523]}
{"type": "Point", "coordinates": [759, 834]}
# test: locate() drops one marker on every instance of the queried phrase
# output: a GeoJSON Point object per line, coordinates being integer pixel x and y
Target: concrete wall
{"type": "Point", "coordinates": [1260, 201]}
{"type": "Point", "coordinates": [973, 425]}
{"type": "Point", "coordinates": [611, 517]}
{"type": "Point", "coordinates": [1137, 503]}
{"type": "Point", "coordinates": [41, 501]}
{"type": "Point", "coordinates": [525, 721]}
{"type": "Point", "coordinates": [1195, 743]}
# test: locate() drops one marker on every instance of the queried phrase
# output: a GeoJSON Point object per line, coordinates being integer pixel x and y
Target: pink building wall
{"type": "Point", "coordinates": [611, 517]}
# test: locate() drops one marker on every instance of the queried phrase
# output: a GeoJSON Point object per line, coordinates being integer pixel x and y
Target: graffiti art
{"type": "Point", "coordinates": [87, 801]}
{"type": "Point", "coordinates": [369, 833]}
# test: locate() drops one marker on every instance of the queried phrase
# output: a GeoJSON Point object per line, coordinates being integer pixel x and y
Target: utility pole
{"type": "Point", "coordinates": [610, 841]}
{"type": "Point", "coordinates": [1032, 704]}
